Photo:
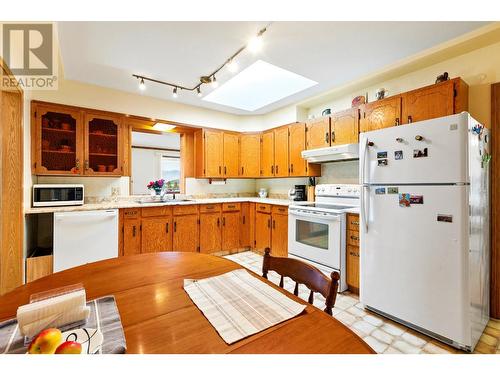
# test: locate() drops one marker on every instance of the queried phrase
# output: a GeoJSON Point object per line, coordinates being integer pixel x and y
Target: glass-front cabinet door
{"type": "Point", "coordinates": [103, 144]}
{"type": "Point", "coordinates": [58, 147]}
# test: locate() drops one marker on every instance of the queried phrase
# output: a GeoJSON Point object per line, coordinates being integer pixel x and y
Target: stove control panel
{"type": "Point", "coordinates": [337, 190]}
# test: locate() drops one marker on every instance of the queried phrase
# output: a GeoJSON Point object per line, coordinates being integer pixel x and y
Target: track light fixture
{"type": "Point", "coordinates": [254, 45]}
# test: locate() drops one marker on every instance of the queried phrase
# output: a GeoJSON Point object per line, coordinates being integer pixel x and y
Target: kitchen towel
{"type": "Point", "coordinates": [104, 316]}
{"type": "Point", "coordinates": [238, 304]}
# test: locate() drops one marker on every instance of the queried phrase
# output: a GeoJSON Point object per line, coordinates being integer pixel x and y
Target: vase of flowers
{"type": "Point", "coordinates": [156, 187]}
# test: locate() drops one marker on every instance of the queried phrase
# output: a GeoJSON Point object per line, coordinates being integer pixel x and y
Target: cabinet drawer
{"type": "Point", "coordinates": [353, 222]}
{"type": "Point", "coordinates": [186, 210]}
{"type": "Point", "coordinates": [210, 207]}
{"type": "Point", "coordinates": [263, 207]}
{"type": "Point", "coordinates": [352, 251]}
{"type": "Point", "coordinates": [131, 213]}
{"type": "Point", "coordinates": [283, 210]}
{"type": "Point", "coordinates": [353, 238]}
{"type": "Point", "coordinates": [231, 207]}
{"type": "Point", "coordinates": [157, 211]}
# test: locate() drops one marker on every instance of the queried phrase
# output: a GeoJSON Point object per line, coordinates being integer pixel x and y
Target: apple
{"type": "Point", "coordinates": [69, 347]}
{"type": "Point", "coordinates": [46, 342]}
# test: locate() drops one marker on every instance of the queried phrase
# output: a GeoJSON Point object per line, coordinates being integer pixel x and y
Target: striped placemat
{"type": "Point", "coordinates": [239, 305]}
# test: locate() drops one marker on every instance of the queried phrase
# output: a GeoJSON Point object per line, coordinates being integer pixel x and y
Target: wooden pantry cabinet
{"type": "Point", "coordinates": [70, 140]}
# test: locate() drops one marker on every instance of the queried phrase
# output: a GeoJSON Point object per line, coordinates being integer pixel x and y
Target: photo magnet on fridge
{"type": "Point", "coordinates": [392, 190]}
{"type": "Point", "coordinates": [380, 190]}
{"type": "Point", "coordinates": [420, 153]}
{"type": "Point", "coordinates": [417, 199]}
{"type": "Point", "coordinates": [404, 200]}
{"type": "Point", "coordinates": [445, 218]}
{"type": "Point", "coordinates": [398, 155]}
{"type": "Point", "coordinates": [381, 154]}
{"type": "Point", "coordinates": [382, 162]}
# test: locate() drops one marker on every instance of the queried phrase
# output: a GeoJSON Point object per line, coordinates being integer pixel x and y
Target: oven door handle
{"type": "Point", "coordinates": [331, 217]}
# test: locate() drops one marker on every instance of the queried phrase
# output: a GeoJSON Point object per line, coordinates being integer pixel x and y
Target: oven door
{"type": "Point", "coordinates": [316, 236]}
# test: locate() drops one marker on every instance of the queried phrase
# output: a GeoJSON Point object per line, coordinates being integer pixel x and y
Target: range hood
{"type": "Point", "coordinates": [331, 154]}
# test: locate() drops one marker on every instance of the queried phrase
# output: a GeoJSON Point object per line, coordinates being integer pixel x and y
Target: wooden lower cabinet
{"type": "Point", "coordinates": [279, 235]}
{"type": "Point", "coordinates": [38, 267]}
{"type": "Point", "coordinates": [210, 232]}
{"type": "Point", "coordinates": [247, 221]}
{"type": "Point", "coordinates": [131, 236]}
{"type": "Point", "coordinates": [186, 234]}
{"type": "Point", "coordinates": [262, 231]}
{"type": "Point", "coordinates": [156, 234]}
{"type": "Point", "coordinates": [230, 230]}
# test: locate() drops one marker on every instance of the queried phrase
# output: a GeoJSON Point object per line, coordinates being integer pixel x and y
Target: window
{"type": "Point", "coordinates": [171, 172]}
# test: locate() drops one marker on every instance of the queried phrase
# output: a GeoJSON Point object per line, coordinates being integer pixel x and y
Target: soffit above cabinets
{"type": "Point", "coordinates": [330, 53]}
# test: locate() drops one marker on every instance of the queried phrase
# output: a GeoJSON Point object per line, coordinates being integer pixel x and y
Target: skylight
{"type": "Point", "coordinates": [258, 85]}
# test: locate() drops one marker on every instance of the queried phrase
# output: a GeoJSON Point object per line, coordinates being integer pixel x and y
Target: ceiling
{"type": "Point", "coordinates": [330, 53]}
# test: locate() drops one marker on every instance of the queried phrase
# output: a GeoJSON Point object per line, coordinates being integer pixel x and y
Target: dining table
{"type": "Point", "coordinates": [158, 315]}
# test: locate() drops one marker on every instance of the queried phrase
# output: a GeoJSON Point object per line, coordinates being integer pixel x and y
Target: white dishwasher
{"type": "Point", "coordinates": [84, 237]}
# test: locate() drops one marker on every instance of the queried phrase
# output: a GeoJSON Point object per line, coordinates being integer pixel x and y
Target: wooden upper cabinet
{"type": "Point", "coordinates": [214, 153]}
{"type": "Point", "coordinates": [297, 144]}
{"type": "Point", "coordinates": [103, 144]}
{"type": "Point", "coordinates": [210, 227]}
{"type": "Point", "coordinates": [318, 133]}
{"type": "Point", "coordinates": [156, 234]}
{"type": "Point", "coordinates": [281, 152]}
{"type": "Point", "coordinates": [231, 154]}
{"type": "Point", "coordinates": [345, 127]}
{"type": "Point", "coordinates": [249, 155]}
{"type": "Point", "coordinates": [57, 140]}
{"type": "Point", "coordinates": [230, 230]}
{"type": "Point", "coordinates": [380, 114]}
{"type": "Point", "coordinates": [267, 154]}
{"type": "Point", "coordinates": [186, 233]}
{"type": "Point", "coordinates": [430, 102]}
{"type": "Point", "coordinates": [279, 235]}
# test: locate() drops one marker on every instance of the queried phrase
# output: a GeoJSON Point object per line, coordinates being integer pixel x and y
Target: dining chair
{"type": "Point", "coordinates": [303, 273]}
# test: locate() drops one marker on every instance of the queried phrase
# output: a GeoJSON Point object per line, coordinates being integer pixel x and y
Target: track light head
{"type": "Point", "coordinates": [205, 79]}
{"type": "Point", "coordinates": [142, 85]}
{"type": "Point", "coordinates": [174, 93]}
{"type": "Point", "coordinates": [215, 84]}
{"type": "Point", "coordinates": [198, 92]}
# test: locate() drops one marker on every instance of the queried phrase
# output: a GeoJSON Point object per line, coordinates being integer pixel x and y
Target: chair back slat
{"type": "Point", "coordinates": [303, 273]}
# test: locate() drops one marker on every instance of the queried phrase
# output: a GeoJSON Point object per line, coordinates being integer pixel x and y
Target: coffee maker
{"type": "Point", "coordinates": [298, 193]}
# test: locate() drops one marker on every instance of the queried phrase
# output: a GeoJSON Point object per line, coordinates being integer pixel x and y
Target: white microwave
{"type": "Point", "coordinates": [47, 195]}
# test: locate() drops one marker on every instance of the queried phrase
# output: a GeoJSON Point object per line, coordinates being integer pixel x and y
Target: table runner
{"type": "Point", "coordinates": [104, 316]}
{"type": "Point", "coordinates": [239, 305]}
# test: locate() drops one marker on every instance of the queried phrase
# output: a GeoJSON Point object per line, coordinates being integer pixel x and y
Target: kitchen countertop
{"type": "Point", "coordinates": [133, 203]}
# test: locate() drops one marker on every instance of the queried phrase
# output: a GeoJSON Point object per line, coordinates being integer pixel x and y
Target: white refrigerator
{"type": "Point", "coordinates": [424, 234]}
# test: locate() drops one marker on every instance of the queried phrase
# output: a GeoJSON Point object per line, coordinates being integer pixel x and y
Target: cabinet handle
{"type": "Point", "coordinates": [225, 170]}
{"type": "Point", "coordinates": [133, 231]}
{"type": "Point", "coordinates": [223, 221]}
{"type": "Point", "coordinates": [291, 168]}
{"type": "Point", "coordinates": [355, 222]}
{"type": "Point", "coordinates": [355, 238]}
{"type": "Point", "coordinates": [326, 138]}
{"type": "Point", "coordinates": [410, 120]}
{"type": "Point", "coordinates": [220, 169]}
{"type": "Point", "coordinates": [210, 207]}
{"type": "Point", "coordinates": [269, 223]}
{"type": "Point", "coordinates": [397, 121]}
{"type": "Point", "coordinates": [218, 222]}
{"type": "Point", "coordinates": [167, 228]}
{"type": "Point", "coordinates": [274, 224]}
{"type": "Point", "coordinates": [333, 136]}
{"type": "Point", "coordinates": [242, 170]}
{"type": "Point", "coordinates": [272, 169]}
{"type": "Point", "coordinates": [262, 207]}
{"type": "Point", "coordinates": [175, 226]}
{"type": "Point", "coordinates": [243, 219]}
{"type": "Point", "coordinates": [277, 169]}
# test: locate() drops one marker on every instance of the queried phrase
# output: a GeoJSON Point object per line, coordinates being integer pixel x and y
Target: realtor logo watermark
{"type": "Point", "coordinates": [28, 49]}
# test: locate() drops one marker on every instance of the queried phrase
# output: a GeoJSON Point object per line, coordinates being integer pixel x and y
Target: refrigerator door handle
{"type": "Point", "coordinates": [365, 208]}
{"type": "Point", "coordinates": [363, 161]}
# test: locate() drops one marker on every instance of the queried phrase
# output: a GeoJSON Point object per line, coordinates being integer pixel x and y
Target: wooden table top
{"type": "Point", "coordinates": [159, 317]}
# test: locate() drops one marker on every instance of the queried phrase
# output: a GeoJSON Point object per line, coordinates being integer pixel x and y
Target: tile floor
{"type": "Point", "coordinates": [383, 335]}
